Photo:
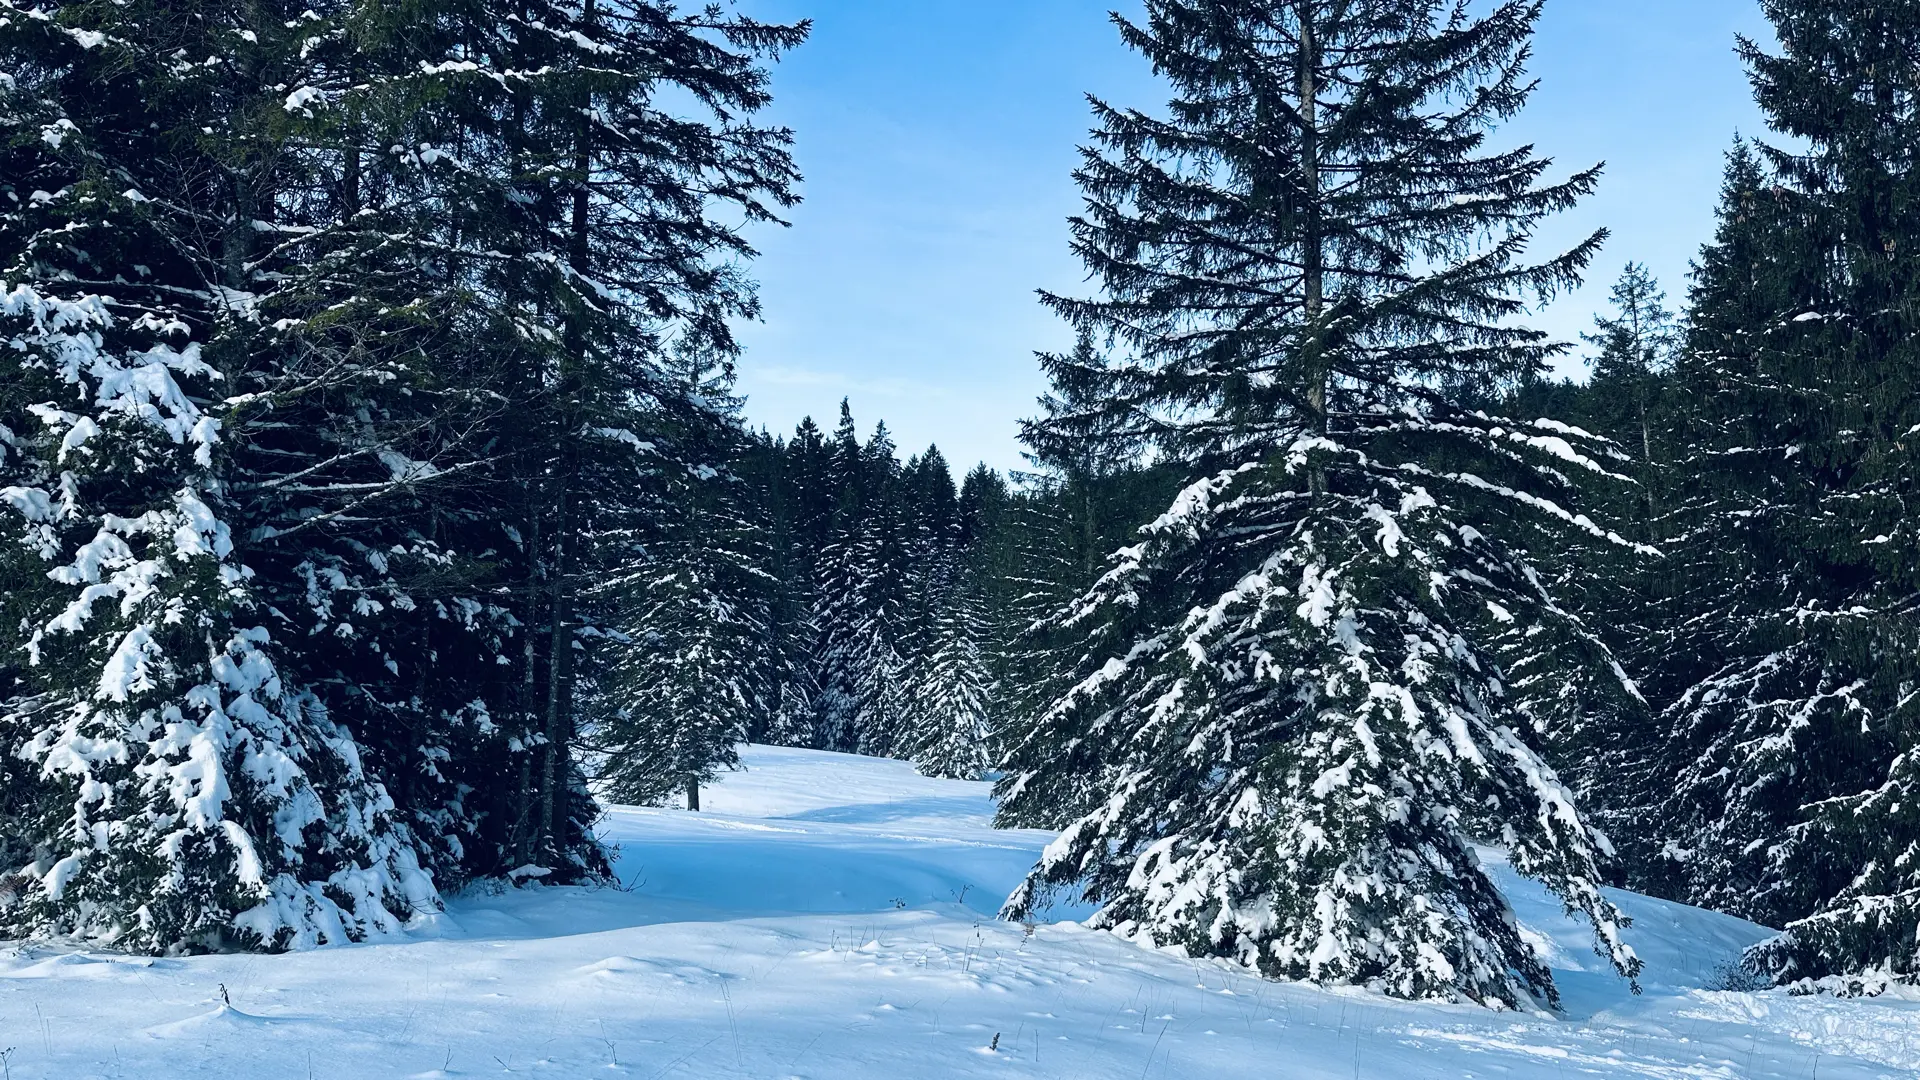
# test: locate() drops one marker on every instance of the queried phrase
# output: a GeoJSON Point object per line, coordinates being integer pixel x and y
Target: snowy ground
{"type": "Point", "coordinates": [830, 918]}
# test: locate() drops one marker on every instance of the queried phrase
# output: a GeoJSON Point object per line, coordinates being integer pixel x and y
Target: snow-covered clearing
{"type": "Point", "coordinates": [831, 917]}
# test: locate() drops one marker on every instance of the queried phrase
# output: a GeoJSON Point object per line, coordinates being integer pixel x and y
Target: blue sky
{"type": "Point", "coordinates": [937, 138]}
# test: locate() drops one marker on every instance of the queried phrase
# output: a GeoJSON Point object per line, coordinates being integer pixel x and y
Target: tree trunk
{"type": "Point", "coordinates": [525, 840]}
{"type": "Point", "coordinates": [555, 813]}
{"type": "Point", "coordinates": [1646, 453]}
{"type": "Point", "coordinates": [1315, 366]}
{"type": "Point", "coordinates": [693, 793]}
{"type": "Point", "coordinates": [554, 766]}
{"type": "Point", "coordinates": [1313, 254]}
{"type": "Point", "coordinates": [350, 173]}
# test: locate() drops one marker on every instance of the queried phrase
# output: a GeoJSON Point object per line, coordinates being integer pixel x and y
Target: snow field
{"type": "Point", "coordinates": [830, 918]}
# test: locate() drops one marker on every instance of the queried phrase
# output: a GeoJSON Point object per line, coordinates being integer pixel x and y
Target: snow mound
{"type": "Point", "coordinates": [830, 918]}
{"type": "Point", "coordinates": [222, 1023]}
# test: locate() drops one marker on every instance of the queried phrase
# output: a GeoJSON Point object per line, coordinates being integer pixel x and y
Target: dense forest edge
{"type": "Point", "coordinates": [376, 502]}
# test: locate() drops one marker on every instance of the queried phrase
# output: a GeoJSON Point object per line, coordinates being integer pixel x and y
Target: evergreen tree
{"type": "Point", "coordinates": [1794, 728]}
{"type": "Point", "coordinates": [1605, 739]}
{"type": "Point", "coordinates": [930, 538]}
{"type": "Point", "coordinates": [865, 618]}
{"type": "Point", "coordinates": [1091, 490]}
{"type": "Point", "coordinates": [1290, 727]}
{"type": "Point", "coordinates": [841, 573]}
{"type": "Point", "coordinates": [1639, 336]}
{"type": "Point", "coordinates": [187, 786]}
{"type": "Point", "coordinates": [1000, 566]}
{"type": "Point", "coordinates": [782, 489]}
{"type": "Point", "coordinates": [950, 695]}
{"type": "Point", "coordinates": [1632, 349]}
{"type": "Point", "coordinates": [621, 266]}
{"type": "Point", "coordinates": [882, 573]}
{"type": "Point", "coordinates": [690, 676]}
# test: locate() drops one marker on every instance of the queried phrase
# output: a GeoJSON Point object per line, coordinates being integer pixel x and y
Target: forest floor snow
{"type": "Point", "coordinates": [831, 918]}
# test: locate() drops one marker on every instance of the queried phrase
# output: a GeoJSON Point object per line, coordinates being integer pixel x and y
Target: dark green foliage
{"type": "Point", "coordinates": [1803, 387]}
{"type": "Point", "coordinates": [1776, 640]}
{"type": "Point", "coordinates": [380, 322]}
{"type": "Point", "coordinates": [190, 784]}
{"type": "Point", "coordinates": [881, 558]}
{"type": "Point", "coordinates": [1632, 349]}
{"type": "Point", "coordinates": [692, 667]}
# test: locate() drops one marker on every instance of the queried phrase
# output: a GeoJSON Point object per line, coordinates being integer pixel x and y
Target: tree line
{"type": "Point", "coordinates": [892, 612]}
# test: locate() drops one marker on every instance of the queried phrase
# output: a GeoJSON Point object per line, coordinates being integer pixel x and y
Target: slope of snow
{"type": "Point", "coordinates": [831, 918]}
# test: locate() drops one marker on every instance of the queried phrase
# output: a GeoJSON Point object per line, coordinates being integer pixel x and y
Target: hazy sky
{"type": "Point", "coordinates": [937, 138]}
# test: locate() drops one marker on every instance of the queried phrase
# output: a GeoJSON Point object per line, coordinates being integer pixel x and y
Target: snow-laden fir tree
{"type": "Point", "coordinates": [839, 574]}
{"type": "Point", "coordinates": [987, 509]}
{"type": "Point", "coordinates": [689, 679]}
{"type": "Point", "coordinates": [589, 213]}
{"type": "Point", "coordinates": [1292, 736]}
{"type": "Point", "coordinates": [361, 416]}
{"type": "Point", "coordinates": [862, 619]}
{"type": "Point", "coordinates": [878, 664]}
{"type": "Point", "coordinates": [180, 783]}
{"type": "Point", "coordinates": [1090, 491]}
{"type": "Point", "coordinates": [691, 667]}
{"type": "Point", "coordinates": [884, 636]}
{"type": "Point", "coordinates": [1793, 739]}
{"type": "Point", "coordinates": [1602, 734]}
{"type": "Point", "coordinates": [645, 264]}
{"type": "Point", "coordinates": [1734, 641]}
{"type": "Point", "coordinates": [778, 492]}
{"type": "Point", "coordinates": [929, 524]}
{"type": "Point", "coordinates": [949, 719]}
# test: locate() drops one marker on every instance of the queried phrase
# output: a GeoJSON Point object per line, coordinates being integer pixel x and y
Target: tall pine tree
{"type": "Point", "coordinates": [1792, 744]}
{"type": "Point", "coordinates": [1291, 730]}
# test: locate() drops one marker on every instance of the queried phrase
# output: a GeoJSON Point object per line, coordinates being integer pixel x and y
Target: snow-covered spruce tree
{"type": "Point", "coordinates": [988, 511]}
{"type": "Point", "coordinates": [360, 422]}
{"type": "Point", "coordinates": [882, 558]}
{"type": "Point", "coordinates": [780, 492]}
{"type": "Point", "coordinates": [836, 618]}
{"type": "Point", "coordinates": [1793, 744]}
{"type": "Point", "coordinates": [1088, 495]}
{"type": "Point", "coordinates": [690, 661]}
{"type": "Point", "coordinates": [1735, 640]}
{"type": "Point", "coordinates": [863, 575]}
{"type": "Point", "coordinates": [929, 517]}
{"type": "Point", "coordinates": [1290, 731]}
{"type": "Point", "coordinates": [345, 227]}
{"type": "Point", "coordinates": [181, 788]}
{"type": "Point", "coordinates": [879, 665]}
{"type": "Point", "coordinates": [949, 719]}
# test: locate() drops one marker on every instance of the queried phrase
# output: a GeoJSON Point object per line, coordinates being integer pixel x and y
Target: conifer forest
{"type": "Point", "coordinates": [380, 516]}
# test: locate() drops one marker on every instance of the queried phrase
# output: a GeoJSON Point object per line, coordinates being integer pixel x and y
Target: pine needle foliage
{"type": "Point", "coordinates": [951, 699]}
{"type": "Point", "coordinates": [1792, 747]}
